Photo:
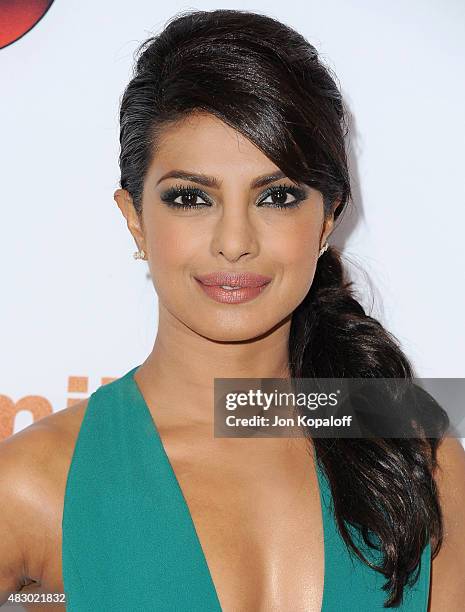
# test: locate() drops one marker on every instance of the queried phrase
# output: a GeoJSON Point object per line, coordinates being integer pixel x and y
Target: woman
{"type": "Point", "coordinates": [233, 173]}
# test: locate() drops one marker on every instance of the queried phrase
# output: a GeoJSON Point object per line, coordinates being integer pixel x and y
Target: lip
{"type": "Point", "coordinates": [249, 286]}
{"type": "Point", "coordinates": [234, 279]}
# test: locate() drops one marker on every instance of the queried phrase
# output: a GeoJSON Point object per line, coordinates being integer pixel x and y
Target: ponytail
{"type": "Point", "coordinates": [384, 486]}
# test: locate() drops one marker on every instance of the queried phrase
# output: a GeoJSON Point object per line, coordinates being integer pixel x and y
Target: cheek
{"type": "Point", "coordinates": [172, 243]}
{"type": "Point", "coordinates": [174, 247]}
{"type": "Point", "coordinates": [296, 254]}
{"type": "Point", "coordinates": [296, 249]}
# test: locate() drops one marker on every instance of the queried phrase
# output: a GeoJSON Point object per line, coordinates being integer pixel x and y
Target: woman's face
{"type": "Point", "coordinates": [229, 225]}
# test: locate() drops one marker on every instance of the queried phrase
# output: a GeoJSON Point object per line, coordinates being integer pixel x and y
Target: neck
{"type": "Point", "coordinates": [178, 375]}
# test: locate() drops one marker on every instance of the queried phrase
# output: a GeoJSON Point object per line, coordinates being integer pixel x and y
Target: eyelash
{"type": "Point", "coordinates": [179, 190]}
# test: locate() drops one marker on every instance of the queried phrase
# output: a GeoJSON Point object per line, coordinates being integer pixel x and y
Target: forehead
{"type": "Point", "coordinates": [201, 142]}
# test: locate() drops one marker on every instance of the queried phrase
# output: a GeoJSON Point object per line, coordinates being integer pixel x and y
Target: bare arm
{"type": "Point", "coordinates": [12, 559]}
{"type": "Point", "coordinates": [448, 567]}
{"type": "Point", "coordinates": [25, 498]}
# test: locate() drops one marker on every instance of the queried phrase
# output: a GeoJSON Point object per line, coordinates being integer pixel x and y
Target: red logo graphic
{"type": "Point", "coordinates": [17, 17]}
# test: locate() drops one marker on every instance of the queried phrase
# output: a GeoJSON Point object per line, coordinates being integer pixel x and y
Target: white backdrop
{"type": "Point", "coordinates": [74, 301]}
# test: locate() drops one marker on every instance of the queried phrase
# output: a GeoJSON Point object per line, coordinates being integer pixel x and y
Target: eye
{"type": "Point", "coordinates": [279, 195]}
{"type": "Point", "coordinates": [185, 197]}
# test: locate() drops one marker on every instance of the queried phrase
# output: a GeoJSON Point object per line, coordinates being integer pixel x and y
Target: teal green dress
{"type": "Point", "coordinates": [129, 542]}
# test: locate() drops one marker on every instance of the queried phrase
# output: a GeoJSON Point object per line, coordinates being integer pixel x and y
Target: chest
{"type": "Point", "coordinates": [259, 524]}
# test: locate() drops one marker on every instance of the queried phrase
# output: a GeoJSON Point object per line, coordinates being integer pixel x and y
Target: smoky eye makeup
{"type": "Point", "coordinates": [187, 195]}
{"type": "Point", "coordinates": [281, 197]}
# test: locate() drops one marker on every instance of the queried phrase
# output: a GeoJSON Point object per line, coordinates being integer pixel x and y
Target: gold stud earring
{"type": "Point", "coordinates": [139, 254]}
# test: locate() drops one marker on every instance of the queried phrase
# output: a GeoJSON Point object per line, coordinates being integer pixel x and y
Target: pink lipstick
{"type": "Point", "coordinates": [233, 287]}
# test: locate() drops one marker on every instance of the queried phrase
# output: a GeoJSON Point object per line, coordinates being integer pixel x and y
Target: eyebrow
{"type": "Point", "coordinates": [211, 181]}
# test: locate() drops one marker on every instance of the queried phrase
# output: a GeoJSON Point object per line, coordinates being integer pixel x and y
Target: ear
{"type": "Point", "coordinates": [134, 222]}
{"type": "Point", "coordinates": [328, 223]}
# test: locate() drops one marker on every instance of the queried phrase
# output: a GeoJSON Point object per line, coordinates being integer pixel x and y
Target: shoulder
{"type": "Point", "coordinates": [448, 567]}
{"type": "Point", "coordinates": [33, 469]}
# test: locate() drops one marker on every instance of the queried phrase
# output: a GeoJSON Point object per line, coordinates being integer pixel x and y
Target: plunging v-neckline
{"type": "Point", "coordinates": [153, 426]}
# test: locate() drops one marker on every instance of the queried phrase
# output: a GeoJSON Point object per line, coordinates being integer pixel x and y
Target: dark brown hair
{"type": "Point", "coordinates": [268, 82]}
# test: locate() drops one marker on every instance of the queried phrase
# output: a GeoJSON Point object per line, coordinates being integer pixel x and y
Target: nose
{"type": "Point", "coordinates": [234, 235]}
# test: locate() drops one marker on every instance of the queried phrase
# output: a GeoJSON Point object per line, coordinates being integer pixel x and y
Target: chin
{"type": "Point", "coordinates": [235, 329]}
